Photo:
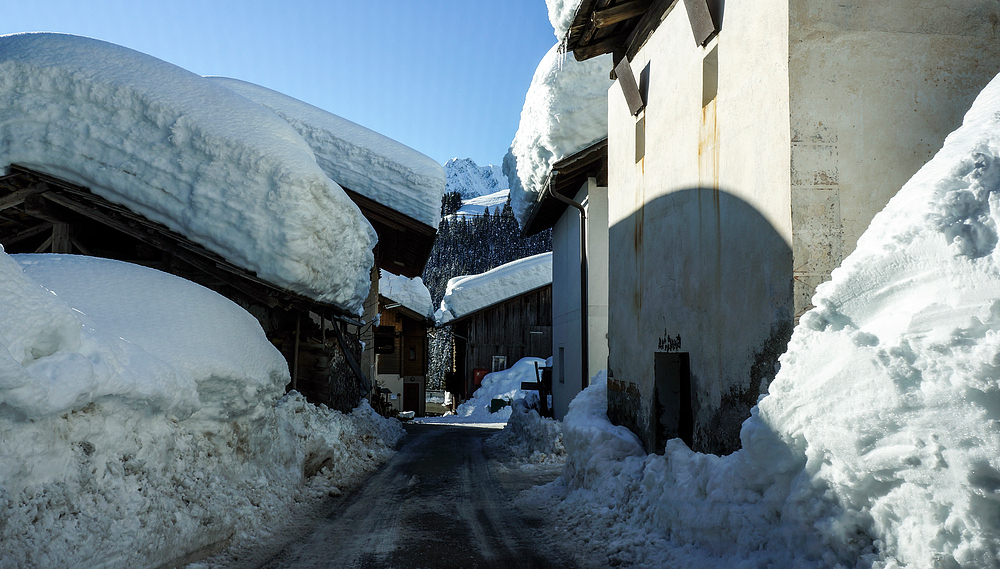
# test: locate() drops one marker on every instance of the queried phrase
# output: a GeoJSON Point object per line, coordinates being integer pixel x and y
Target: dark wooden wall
{"type": "Point", "coordinates": [516, 328]}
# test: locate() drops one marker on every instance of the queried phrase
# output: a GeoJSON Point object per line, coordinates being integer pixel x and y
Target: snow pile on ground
{"type": "Point", "coordinates": [185, 152]}
{"type": "Point", "coordinates": [358, 159]}
{"type": "Point", "coordinates": [467, 294]}
{"type": "Point", "coordinates": [411, 293]}
{"type": "Point", "coordinates": [490, 204]}
{"type": "Point", "coordinates": [529, 437]}
{"type": "Point", "coordinates": [471, 180]}
{"type": "Point", "coordinates": [142, 418]}
{"type": "Point", "coordinates": [504, 385]}
{"type": "Point", "coordinates": [878, 443]}
{"type": "Point", "coordinates": [565, 111]}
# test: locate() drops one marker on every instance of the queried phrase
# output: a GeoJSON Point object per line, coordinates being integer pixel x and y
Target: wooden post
{"type": "Point", "coordinates": [60, 238]}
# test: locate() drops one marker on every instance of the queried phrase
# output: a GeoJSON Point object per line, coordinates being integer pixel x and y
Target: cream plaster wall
{"type": "Point", "coordinates": [700, 227]}
{"type": "Point", "coordinates": [874, 88]}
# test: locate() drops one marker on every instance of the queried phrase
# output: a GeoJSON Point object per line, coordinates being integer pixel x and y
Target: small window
{"type": "Point", "coordinates": [499, 363]}
{"type": "Point", "coordinates": [710, 77]}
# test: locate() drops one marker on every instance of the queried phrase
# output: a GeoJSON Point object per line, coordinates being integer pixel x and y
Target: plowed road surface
{"type": "Point", "coordinates": [439, 503]}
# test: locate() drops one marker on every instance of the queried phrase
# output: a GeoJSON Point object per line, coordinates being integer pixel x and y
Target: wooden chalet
{"type": "Point", "coordinates": [401, 356]}
{"type": "Point", "coordinates": [40, 213]}
{"type": "Point", "coordinates": [495, 337]}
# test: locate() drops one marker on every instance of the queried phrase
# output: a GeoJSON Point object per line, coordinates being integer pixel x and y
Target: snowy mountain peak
{"type": "Point", "coordinates": [471, 180]}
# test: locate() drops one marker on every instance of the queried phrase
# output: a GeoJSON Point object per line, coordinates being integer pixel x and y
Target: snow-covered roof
{"type": "Point", "coordinates": [468, 294]}
{"type": "Point", "coordinates": [565, 111]}
{"type": "Point", "coordinates": [410, 293]}
{"type": "Point", "coordinates": [357, 158]}
{"type": "Point", "coordinates": [186, 152]}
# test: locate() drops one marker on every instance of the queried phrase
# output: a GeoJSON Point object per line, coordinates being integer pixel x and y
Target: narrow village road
{"type": "Point", "coordinates": [438, 503]}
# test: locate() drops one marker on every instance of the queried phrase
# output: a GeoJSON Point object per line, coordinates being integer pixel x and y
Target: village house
{"type": "Point", "coordinates": [497, 318]}
{"type": "Point", "coordinates": [265, 199]}
{"type": "Point", "coordinates": [749, 146]}
{"type": "Point", "coordinates": [400, 345]}
{"type": "Point", "coordinates": [575, 207]}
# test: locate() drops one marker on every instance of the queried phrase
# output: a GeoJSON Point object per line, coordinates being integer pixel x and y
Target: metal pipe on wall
{"type": "Point", "coordinates": [584, 300]}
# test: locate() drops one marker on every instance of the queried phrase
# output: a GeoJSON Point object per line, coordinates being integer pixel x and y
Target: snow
{"type": "Point", "coordinates": [358, 159]}
{"type": "Point", "coordinates": [505, 384]}
{"type": "Point", "coordinates": [561, 14]}
{"type": "Point", "coordinates": [489, 204]}
{"type": "Point", "coordinates": [471, 180]}
{"type": "Point", "coordinates": [183, 151]}
{"type": "Point", "coordinates": [467, 294]}
{"type": "Point", "coordinates": [143, 418]}
{"type": "Point", "coordinates": [565, 111]}
{"type": "Point", "coordinates": [530, 438]}
{"type": "Point", "coordinates": [411, 293]}
{"type": "Point", "coordinates": [877, 444]}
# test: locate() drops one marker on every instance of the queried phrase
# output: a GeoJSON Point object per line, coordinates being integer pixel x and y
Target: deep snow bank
{"type": "Point", "coordinates": [142, 417]}
{"type": "Point", "coordinates": [185, 152]}
{"type": "Point", "coordinates": [359, 159]}
{"type": "Point", "coordinates": [878, 443]}
{"type": "Point", "coordinates": [469, 293]}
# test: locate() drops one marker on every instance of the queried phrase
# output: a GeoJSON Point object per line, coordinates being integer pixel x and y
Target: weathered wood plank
{"type": "Point", "coordinates": [17, 197]}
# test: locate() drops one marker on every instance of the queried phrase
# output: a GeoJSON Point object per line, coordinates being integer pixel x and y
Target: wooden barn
{"type": "Point", "coordinates": [495, 336]}
{"type": "Point", "coordinates": [40, 213]}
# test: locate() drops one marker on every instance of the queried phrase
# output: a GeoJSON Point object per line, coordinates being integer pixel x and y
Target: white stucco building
{"type": "Point", "coordinates": [762, 138]}
{"type": "Point", "coordinates": [576, 328]}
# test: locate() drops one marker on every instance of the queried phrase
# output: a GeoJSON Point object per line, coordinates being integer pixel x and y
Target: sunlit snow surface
{"type": "Point", "coordinates": [143, 417]}
{"type": "Point", "coordinates": [357, 158]}
{"type": "Point", "coordinates": [505, 385]}
{"type": "Point", "coordinates": [879, 442]}
{"type": "Point", "coordinates": [186, 152]}
{"type": "Point", "coordinates": [565, 111]}
{"type": "Point", "coordinates": [408, 292]}
{"type": "Point", "coordinates": [469, 293]}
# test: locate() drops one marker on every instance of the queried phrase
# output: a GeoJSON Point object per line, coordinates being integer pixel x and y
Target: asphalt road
{"type": "Point", "coordinates": [439, 503]}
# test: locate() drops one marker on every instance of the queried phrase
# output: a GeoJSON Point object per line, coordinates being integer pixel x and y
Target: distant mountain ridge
{"type": "Point", "coordinates": [471, 180]}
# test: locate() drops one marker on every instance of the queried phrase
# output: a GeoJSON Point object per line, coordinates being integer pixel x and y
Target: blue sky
{"type": "Point", "coordinates": [446, 77]}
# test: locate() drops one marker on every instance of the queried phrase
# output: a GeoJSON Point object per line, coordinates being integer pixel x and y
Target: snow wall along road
{"type": "Point", "coordinates": [879, 442]}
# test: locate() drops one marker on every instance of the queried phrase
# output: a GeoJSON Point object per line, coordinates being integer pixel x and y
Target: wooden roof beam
{"type": "Point", "coordinates": [17, 197]}
{"type": "Point", "coordinates": [619, 13]}
{"type": "Point", "coordinates": [606, 45]}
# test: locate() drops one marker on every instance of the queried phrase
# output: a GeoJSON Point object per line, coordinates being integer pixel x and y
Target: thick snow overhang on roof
{"type": "Point", "coordinates": [469, 294]}
{"type": "Point", "coordinates": [397, 188]}
{"type": "Point", "coordinates": [33, 204]}
{"type": "Point", "coordinates": [567, 177]}
{"type": "Point", "coordinates": [357, 158]}
{"type": "Point", "coordinates": [187, 153]}
{"type": "Point", "coordinates": [409, 294]}
{"type": "Point", "coordinates": [623, 26]}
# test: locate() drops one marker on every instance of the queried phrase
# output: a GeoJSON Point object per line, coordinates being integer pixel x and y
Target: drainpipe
{"type": "Point", "coordinates": [584, 300]}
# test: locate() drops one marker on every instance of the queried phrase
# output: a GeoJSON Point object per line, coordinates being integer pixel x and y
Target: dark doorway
{"type": "Point", "coordinates": [674, 417]}
{"type": "Point", "coordinates": [411, 397]}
